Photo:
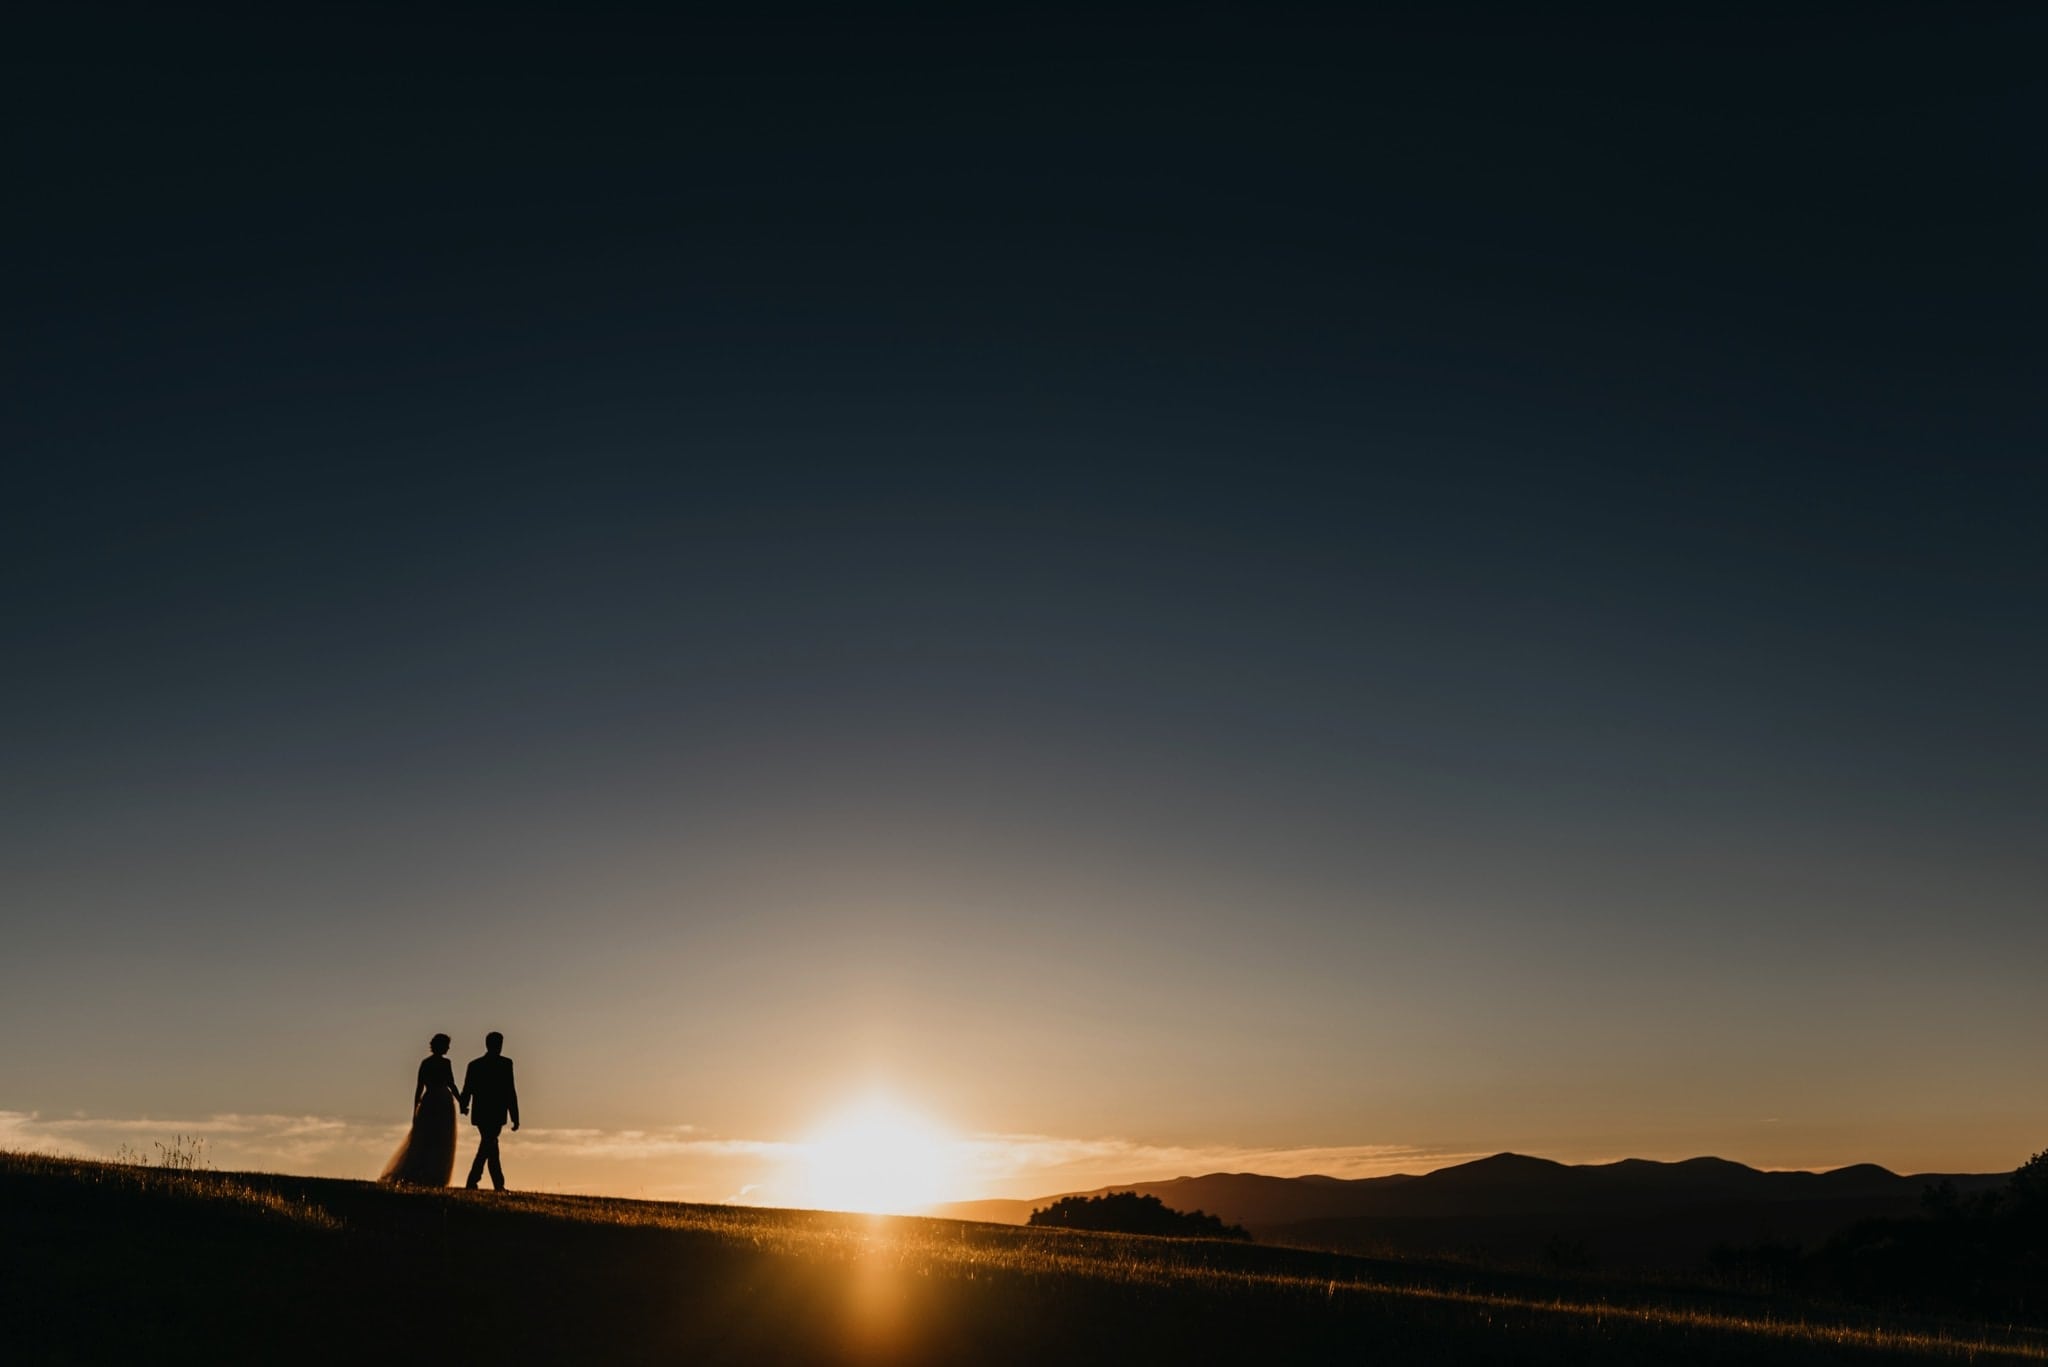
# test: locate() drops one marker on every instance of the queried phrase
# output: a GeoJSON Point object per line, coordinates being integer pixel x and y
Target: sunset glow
{"type": "Point", "coordinates": [876, 1157]}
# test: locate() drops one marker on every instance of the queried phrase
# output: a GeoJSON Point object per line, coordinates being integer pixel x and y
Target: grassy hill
{"type": "Point", "coordinates": [103, 1262]}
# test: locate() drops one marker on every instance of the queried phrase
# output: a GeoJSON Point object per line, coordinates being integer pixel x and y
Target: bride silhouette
{"type": "Point", "coordinates": [426, 1156]}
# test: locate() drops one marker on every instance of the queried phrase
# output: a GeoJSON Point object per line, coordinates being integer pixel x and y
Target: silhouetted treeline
{"type": "Point", "coordinates": [1985, 1254]}
{"type": "Point", "coordinates": [1126, 1212]}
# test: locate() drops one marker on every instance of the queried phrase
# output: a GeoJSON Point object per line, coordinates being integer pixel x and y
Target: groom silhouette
{"type": "Point", "coordinates": [487, 1085]}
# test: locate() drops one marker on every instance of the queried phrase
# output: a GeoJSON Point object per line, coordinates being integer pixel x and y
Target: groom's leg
{"type": "Point", "coordinates": [487, 1153]}
{"type": "Point", "coordinates": [486, 1143]}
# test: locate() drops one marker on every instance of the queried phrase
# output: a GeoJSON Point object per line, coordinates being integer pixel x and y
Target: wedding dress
{"type": "Point", "coordinates": [426, 1156]}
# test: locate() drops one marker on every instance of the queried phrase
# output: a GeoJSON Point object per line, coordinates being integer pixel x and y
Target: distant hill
{"type": "Point", "coordinates": [1635, 1211]}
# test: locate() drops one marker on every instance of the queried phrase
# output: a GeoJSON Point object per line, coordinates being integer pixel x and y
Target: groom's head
{"type": "Point", "coordinates": [493, 1042]}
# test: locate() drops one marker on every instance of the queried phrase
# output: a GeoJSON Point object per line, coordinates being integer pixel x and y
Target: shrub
{"type": "Point", "coordinates": [1126, 1212]}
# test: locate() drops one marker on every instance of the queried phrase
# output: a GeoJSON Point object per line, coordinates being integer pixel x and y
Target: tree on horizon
{"type": "Point", "coordinates": [1126, 1212]}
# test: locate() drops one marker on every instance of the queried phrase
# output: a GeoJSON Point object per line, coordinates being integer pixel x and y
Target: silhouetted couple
{"type": "Point", "coordinates": [426, 1156]}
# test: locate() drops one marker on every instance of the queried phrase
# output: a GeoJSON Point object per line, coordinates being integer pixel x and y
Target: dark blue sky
{"type": "Point", "coordinates": [1512, 543]}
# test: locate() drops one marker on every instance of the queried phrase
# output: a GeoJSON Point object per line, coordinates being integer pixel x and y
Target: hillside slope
{"type": "Point", "coordinates": [111, 1263]}
{"type": "Point", "coordinates": [104, 1263]}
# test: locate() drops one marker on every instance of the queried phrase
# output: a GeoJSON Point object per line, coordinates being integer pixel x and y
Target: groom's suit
{"type": "Point", "coordinates": [491, 1099]}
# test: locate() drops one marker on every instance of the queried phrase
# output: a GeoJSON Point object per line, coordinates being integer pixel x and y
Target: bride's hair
{"type": "Point", "coordinates": [439, 1044]}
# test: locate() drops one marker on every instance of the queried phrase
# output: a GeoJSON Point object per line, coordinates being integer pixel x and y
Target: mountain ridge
{"type": "Point", "coordinates": [1516, 1204]}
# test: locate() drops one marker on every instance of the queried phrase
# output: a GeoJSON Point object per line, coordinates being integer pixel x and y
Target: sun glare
{"type": "Point", "coordinates": [876, 1157]}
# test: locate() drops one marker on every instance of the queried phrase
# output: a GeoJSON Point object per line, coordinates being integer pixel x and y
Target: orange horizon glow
{"type": "Point", "coordinates": [899, 1150]}
{"type": "Point", "coordinates": [877, 1157]}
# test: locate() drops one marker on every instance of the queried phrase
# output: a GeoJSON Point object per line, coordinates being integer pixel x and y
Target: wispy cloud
{"type": "Point", "coordinates": [235, 1140]}
{"type": "Point", "coordinates": [1014, 1162]}
{"type": "Point", "coordinates": [684, 1141]}
{"type": "Point", "coordinates": [659, 1161]}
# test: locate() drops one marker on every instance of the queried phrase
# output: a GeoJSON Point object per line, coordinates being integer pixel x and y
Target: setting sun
{"type": "Point", "coordinates": [876, 1157]}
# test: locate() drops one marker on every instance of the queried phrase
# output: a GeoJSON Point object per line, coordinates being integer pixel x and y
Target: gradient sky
{"type": "Point", "coordinates": [1215, 585]}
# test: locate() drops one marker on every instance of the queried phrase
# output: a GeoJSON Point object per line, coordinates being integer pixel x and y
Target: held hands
{"type": "Point", "coordinates": [515, 1127]}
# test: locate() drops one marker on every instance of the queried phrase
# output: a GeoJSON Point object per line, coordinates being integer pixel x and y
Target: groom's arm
{"type": "Point", "coordinates": [468, 1086]}
{"type": "Point", "coordinates": [511, 1096]}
